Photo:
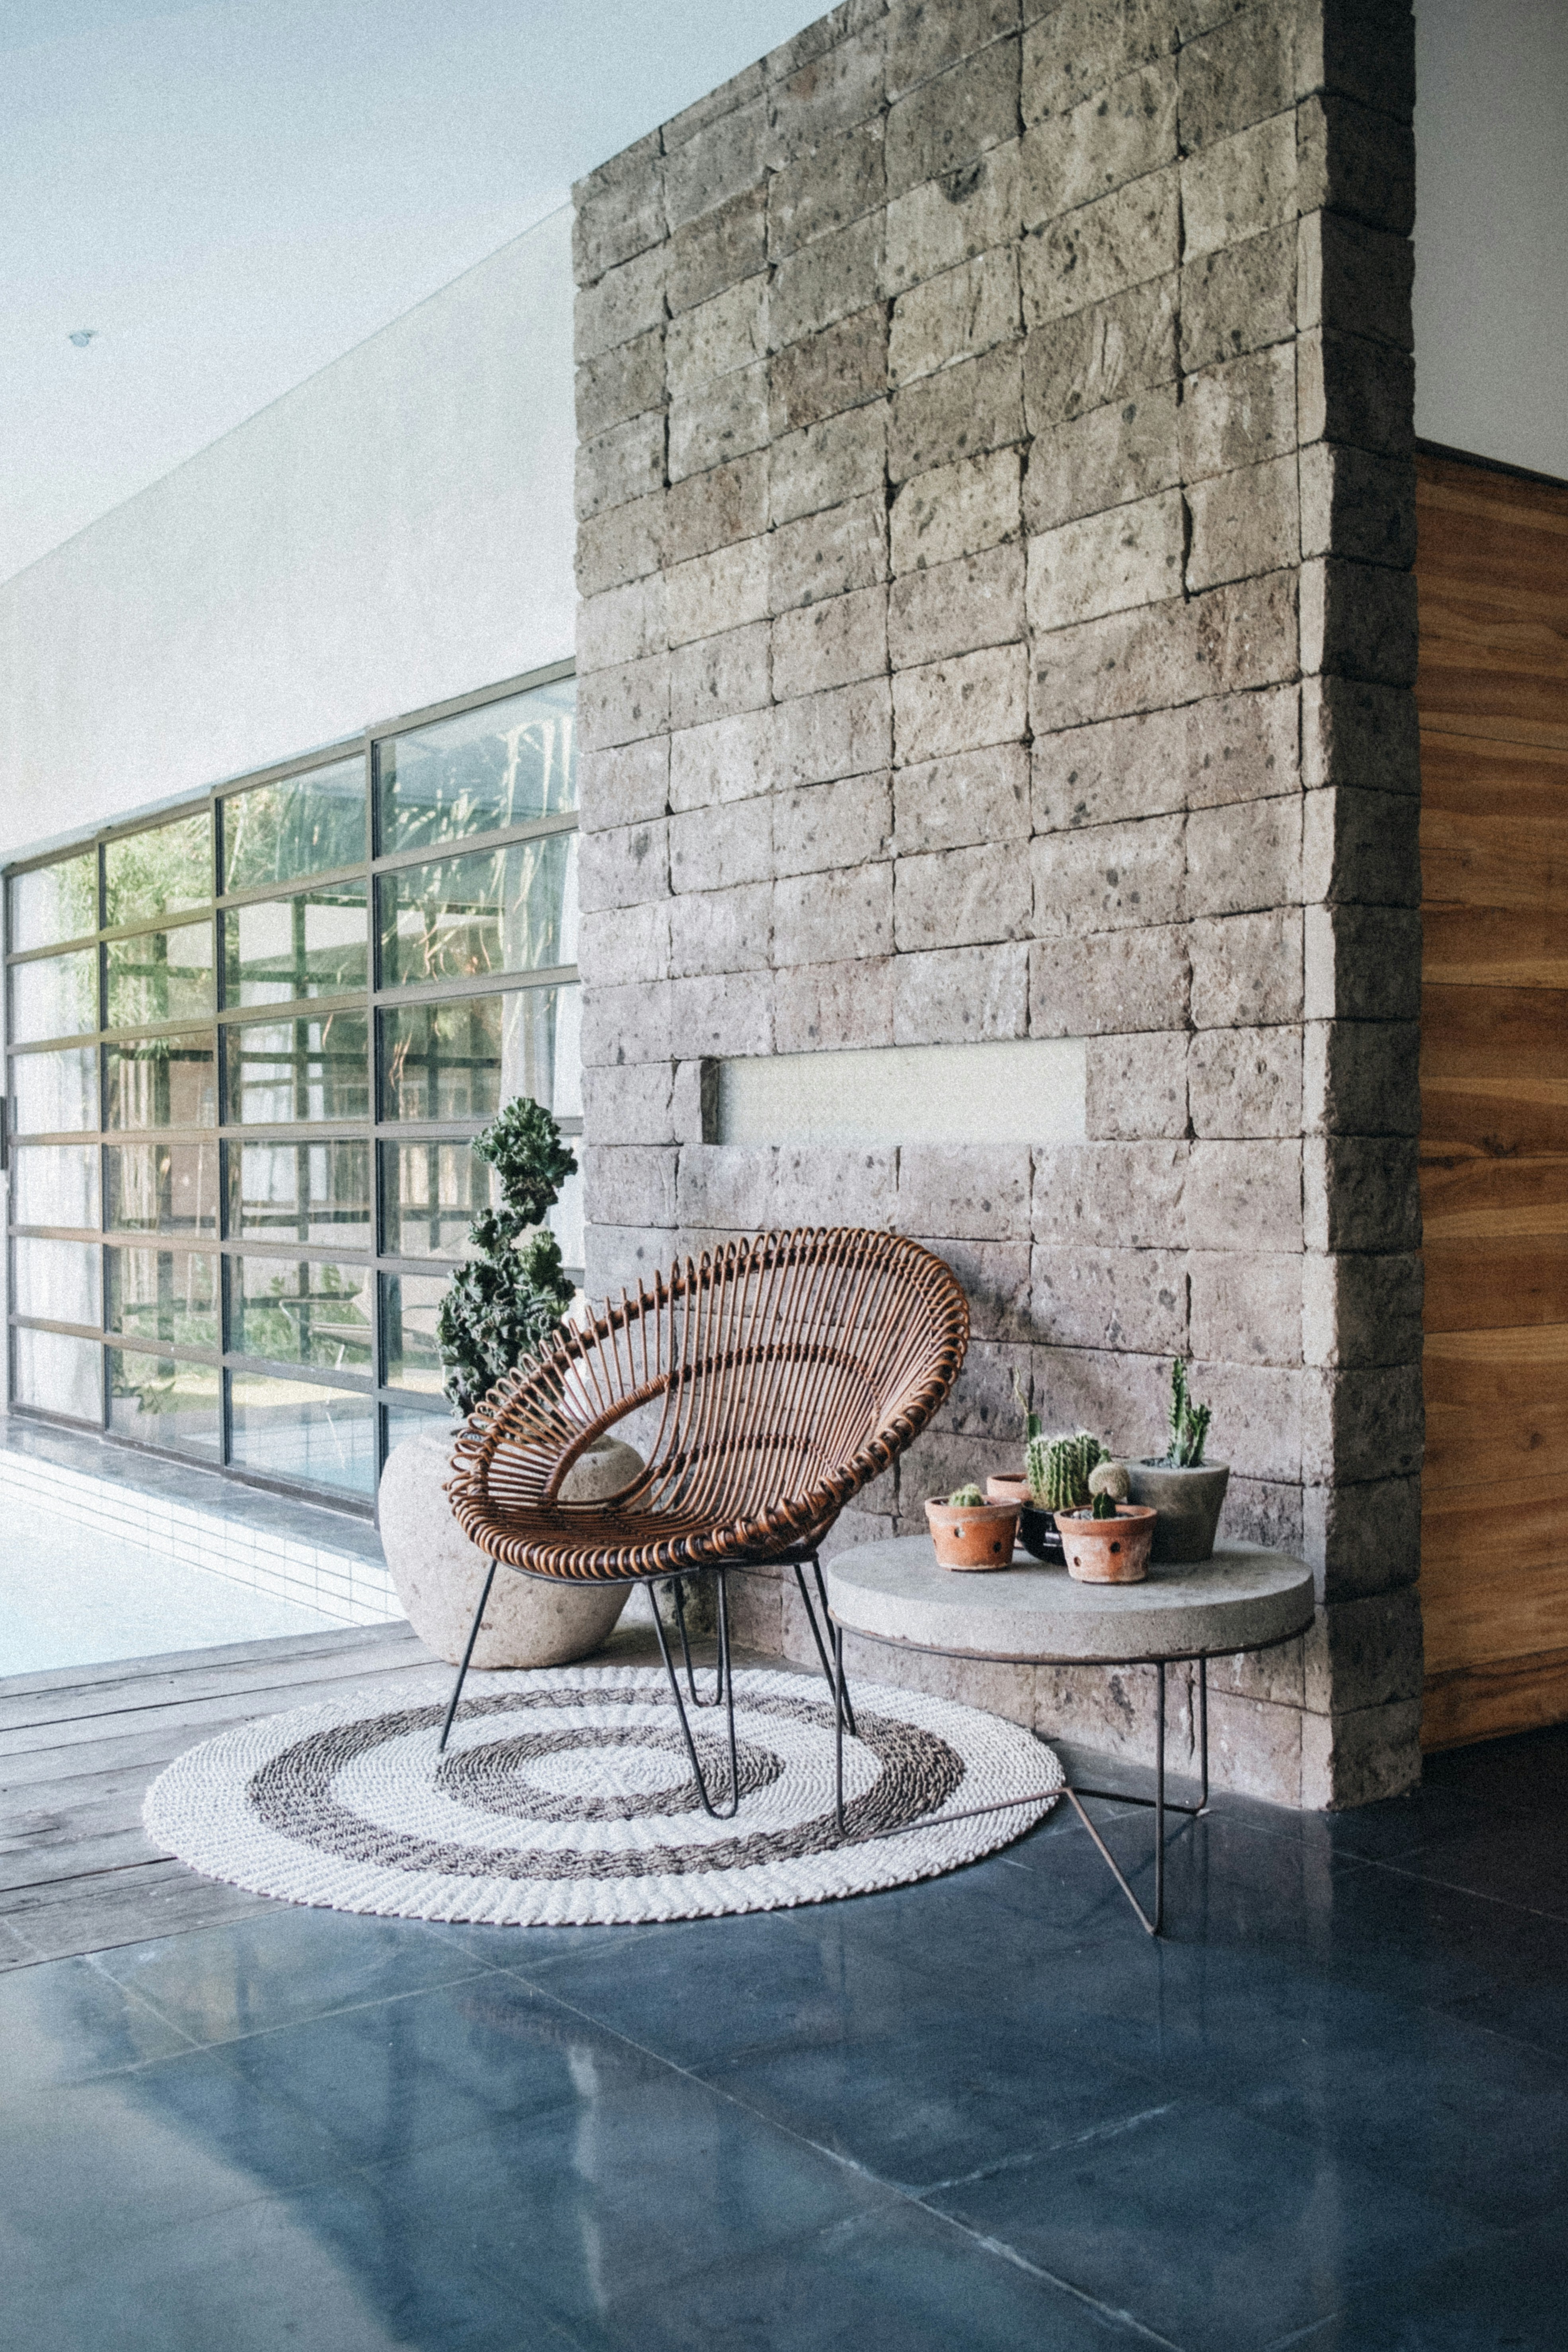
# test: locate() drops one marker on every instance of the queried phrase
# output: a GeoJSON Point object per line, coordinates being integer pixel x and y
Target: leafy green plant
{"type": "Point", "coordinates": [1189, 1423]}
{"type": "Point", "coordinates": [508, 1297]}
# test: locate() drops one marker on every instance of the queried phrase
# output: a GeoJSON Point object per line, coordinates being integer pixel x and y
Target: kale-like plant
{"type": "Point", "coordinates": [508, 1297]}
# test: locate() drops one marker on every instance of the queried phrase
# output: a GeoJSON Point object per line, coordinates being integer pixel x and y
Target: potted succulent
{"type": "Point", "coordinates": [968, 1531]}
{"type": "Point", "coordinates": [1057, 1476]}
{"type": "Point", "coordinates": [1107, 1543]}
{"type": "Point", "coordinates": [1186, 1492]}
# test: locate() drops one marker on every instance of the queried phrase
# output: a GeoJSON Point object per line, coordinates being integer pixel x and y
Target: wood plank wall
{"type": "Point", "coordinates": [1492, 574]}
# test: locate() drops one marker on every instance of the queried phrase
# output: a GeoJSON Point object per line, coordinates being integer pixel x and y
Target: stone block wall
{"type": "Point", "coordinates": [996, 513]}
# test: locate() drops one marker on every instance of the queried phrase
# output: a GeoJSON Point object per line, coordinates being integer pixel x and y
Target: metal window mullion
{"type": "Point", "coordinates": [476, 845]}
{"type": "Point", "coordinates": [274, 1368]}
{"type": "Point", "coordinates": [480, 983]}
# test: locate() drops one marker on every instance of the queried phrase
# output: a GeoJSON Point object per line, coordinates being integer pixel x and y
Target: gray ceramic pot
{"type": "Point", "coordinates": [1189, 1503]}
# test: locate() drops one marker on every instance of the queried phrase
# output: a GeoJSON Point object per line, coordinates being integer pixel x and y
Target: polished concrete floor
{"type": "Point", "coordinates": [983, 2111]}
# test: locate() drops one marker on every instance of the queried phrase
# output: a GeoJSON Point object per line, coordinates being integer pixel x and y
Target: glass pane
{"type": "Point", "coordinates": [160, 1401]}
{"type": "Point", "coordinates": [409, 1305]}
{"type": "Point", "coordinates": [53, 1092]}
{"type": "Point", "coordinates": [464, 1060]}
{"type": "Point", "coordinates": [56, 997]}
{"type": "Point", "coordinates": [431, 1192]}
{"type": "Point", "coordinates": [409, 1420]}
{"type": "Point", "coordinates": [55, 1184]}
{"type": "Point", "coordinates": [297, 1430]}
{"type": "Point", "coordinates": [162, 1188]}
{"type": "Point", "coordinates": [169, 1295]}
{"type": "Point", "coordinates": [501, 911]}
{"type": "Point", "coordinates": [306, 824]}
{"type": "Point", "coordinates": [159, 871]}
{"type": "Point", "coordinates": [300, 1192]}
{"type": "Point", "coordinates": [60, 1375]}
{"type": "Point", "coordinates": [502, 764]}
{"type": "Point", "coordinates": [300, 1313]}
{"type": "Point", "coordinates": [281, 949]}
{"type": "Point", "coordinates": [313, 1068]}
{"type": "Point", "coordinates": [161, 976]}
{"type": "Point", "coordinates": [61, 1281]}
{"type": "Point", "coordinates": [161, 1082]}
{"type": "Point", "coordinates": [54, 902]}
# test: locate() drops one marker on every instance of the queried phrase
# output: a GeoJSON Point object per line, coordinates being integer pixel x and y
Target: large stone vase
{"type": "Point", "coordinates": [439, 1574]}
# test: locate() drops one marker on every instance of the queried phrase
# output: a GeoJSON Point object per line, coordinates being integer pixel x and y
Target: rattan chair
{"type": "Point", "coordinates": [785, 1372]}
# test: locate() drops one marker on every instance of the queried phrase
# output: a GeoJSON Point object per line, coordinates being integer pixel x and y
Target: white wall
{"type": "Point", "coordinates": [398, 530]}
{"type": "Point", "coordinates": [1491, 229]}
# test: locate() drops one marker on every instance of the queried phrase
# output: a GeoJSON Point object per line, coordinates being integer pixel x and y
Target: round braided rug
{"type": "Point", "coordinates": [564, 1798]}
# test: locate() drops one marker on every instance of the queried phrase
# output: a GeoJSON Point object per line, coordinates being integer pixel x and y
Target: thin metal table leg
{"type": "Point", "coordinates": [1159, 1801]}
{"type": "Point", "coordinates": [467, 1653]}
{"type": "Point", "coordinates": [1203, 1731]}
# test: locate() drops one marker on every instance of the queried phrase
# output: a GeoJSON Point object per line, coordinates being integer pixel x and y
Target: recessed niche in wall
{"type": "Point", "coordinates": [1029, 1090]}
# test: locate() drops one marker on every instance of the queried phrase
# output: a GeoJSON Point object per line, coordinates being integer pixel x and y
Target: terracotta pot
{"type": "Point", "coordinates": [1037, 1526]}
{"type": "Point", "coordinates": [1107, 1551]}
{"type": "Point", "coordinates": [979, 1538]}
{"type": "Point", "coordinates": [1188, 1503]}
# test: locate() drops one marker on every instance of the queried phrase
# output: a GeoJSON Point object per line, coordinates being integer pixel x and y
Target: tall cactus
{"type": "Point", "coordinates": [1189, 1422]}
{"type": "Point", "coordinates": [1068, 1461]}
{"type": "Point", "coordinates": [1035, 1467]}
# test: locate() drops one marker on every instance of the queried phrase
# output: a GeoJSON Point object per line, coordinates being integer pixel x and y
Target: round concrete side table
{"type": "Point", "coordinates": [1245, 1598]}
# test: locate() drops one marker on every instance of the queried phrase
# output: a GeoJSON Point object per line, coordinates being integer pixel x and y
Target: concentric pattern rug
{"type": "Point", "coordinates": [566, 1796]}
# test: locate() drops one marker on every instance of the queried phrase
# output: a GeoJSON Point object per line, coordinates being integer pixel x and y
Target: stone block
{"type": "Point", "coordinates": [1276, 1675]}
{"type": "Point", "coordinates": [1355, 162]}
{"type": "Point", "coordinates": [965, 312]}
{"type": "Point", "coordinates": [1354, 279]}
{"type": "Point", "coordinates": [971, 106]}
{"type": "Point", "coordinates": [713, 849]}
{"type": "Point", "coordinates": [622, 944]}
{"type": "Point", "coordinates": [626, 1024]}
{"type": "Point", "coordinates": [727, 154]}
{"type": "Point", "coordinates": [1240, 186]}
{"type": "Point", "coordinates": [626, 462]}
{"type": "Point", "coordinates": [726, 759]}
{"type": "Point", "coordinates": [827, 917]}
{"type": "Point", "coordinates": [1245, 1195]}
{"type": "Point", "coordinates": [1108, 1713]}
{"type": "Point", "coordinates": [715, 509]}
{"type": "Point", "coordinates": [717, 678]}
{"type": "Point", "coordinates": [1224, 641]}
{"type": "Point", "coordinates": [1246, 1306]}
{"type": "Point", "coordinates": [718, 250]}
{"type": "Point", "coordinates": [981, 1402]}
{"type": "Point", "coordinates": [834, 1007]}
{"type": "Point", "coordinates": [961, 898]}
{"type": "Point", "coordinates": [732, 1013]}
{"type": "Point", "coordinates": [625, 301]}
{"type": "Point", "coordinates": [1115, 1298]}
{"type": "Point", "coordinates": [1258, 1417]}
{"type": "Point", "coordinates": [1361, 1757]}
{"type": "Point", "coordinates": [633, 1103]}
{"type": "Point", "coordinates": [996, 1280]}
{"type": "Point", "coordinates": [1255, 1750]}
{"type": "Point", "coordinates": [1121, 240]}
{"type": "Point", "coordinates": [1353, 390]}
{"type": "Point", "coordinates": [846, 731]}
{"type": "Point", "coordinates": [1266, 1511]}
{"type": "Point", "coordinates": [967, 1192]}
{"type": "Point", "coordinates": [825, 188]}
{"type": "Point", "coordinates": [624, 543]}
{"type": "Point", "coordinates": [1358, 505]}
{"type": "Point", "coordinates": [1111, 1195]}
{"type": "Point", "coordinates": [624, 382]}
{"type": "Point", "coordinates": [721, 931]}
{"type": "Point", "coordinates": [1071, 51]}
{"type": "Point", "coordinates": [617, 211]}
{"type": "Point", "coordinates": [826, 464]}
{"type": "Point", "coordinates": [1360, 1309]}
{"type": "Point", "coordinates": [1361, 1192]}
{"type": "Point", "coordinates": [961, 996]}
{"type": "Point", "coordinates": [620, 1257]}
{"type": "Point", "coordinates": [1246, 1083]}
{"type": "Point", "coordinates": [1229, 748]}
{"type": "Point", "coordinates": [1241, 72]}
{"type": "Point", "coordinates": [720, 421]}
{"type": "Point", "coordinates": [828, 555]}
{"type": "Point", "coordinates": [831, 279]}
{"type": "Point", "coordinates": [1104, 563]}
{"type": "Point", "coordinates": [1239, 298]}
{"type": "Point", "coordinates": [1110, 457]}
{"type": "Point", "coordinates": [955, 510]}
{"type": "Point", "coordinates": [959, 413]}
{"type": "Point", "coordinates": [832, 644]}
{"type": "Point", "coordinates": [1362, 1653]}
{"type": "Point", "coordinates": [1361, 735]}
{"type": "Point", "coordinates": [1247, 970]}
{"type": "Point", "coordinates": [622, 704]}
{"type": "Point", "coordinates": [1137, 1087]}
{"type": "Point", "coordinates": [839, 83]}
{"type": "Point", "coordinates": [1117, 982]}
{"type": "Point", "coordinates": [1243, 523]}
{"type": "Point", "coordinates": [712, 593]}
{"type": "Point", "coordinates": [623, 625]}
{"type": "Point", "coordinates": [724, 99]}
{"type": "Point", "coordinates": [961, 705]}
{"type": "Point", "coordinates": [1358, 621]}
{"type": "Point", "coordinates": [824, 374]}
{"type": "Point", "coordinates": [1363, 1077]}
{"type": "Point", "coordinates": [947, 221]}
{"type": "Point", "coordinates": [922, 41]}
{"type": "Point", "coordinates": [1244, 856]}
{"type": "Point", "coordinates": [1240, 411]}
{"type": "Point", "coordinates": [1362, 1539]}
{"type": "Point", "coordinates": [974, 796]}
{"type": "Point", "coordinates": [628, 1185]}
{"type": "Point", "coordinates": [831, 827]}
{"type": "Point", "coordinates": [623, 786]}
{"type": "Point", "coordinates": [1109, 877]}
{"type": "Point", "coordinates": [1362, 963]}
{"type": "Point", "coordinates": [1363, 52]}
{"type": "Point", "coordinates": [1090, 358]}
{"type": "Point", "coordinates": [1070, 158]}
{"type": "Point", "coordinates": [1120, 1397]}
{"type": "Point", "coordinates": [733, 1189]}
{"type": "Point", "coordinates": [955, 608]}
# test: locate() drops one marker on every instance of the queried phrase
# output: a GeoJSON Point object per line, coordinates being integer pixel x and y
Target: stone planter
{"type": "Point", "coordinates": [437, 1573]}
{"type": "Point", "coordinates": [1188, 1502]}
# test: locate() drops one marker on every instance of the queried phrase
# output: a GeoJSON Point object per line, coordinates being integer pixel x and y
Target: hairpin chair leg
{"type": "Point", "coordinates": [679, 1594]}
{"type": "Point", "coordinates": [467, 1653]}
{"type": "Point", "coordinates": [835, 1683]}
{"type": "Point", "coordinates": [726, 1686]}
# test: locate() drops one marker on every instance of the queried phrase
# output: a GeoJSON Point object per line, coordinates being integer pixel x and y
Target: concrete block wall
{"type": "Point", "coordinates": [996, 513]}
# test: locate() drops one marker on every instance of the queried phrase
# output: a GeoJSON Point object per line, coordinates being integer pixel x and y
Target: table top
{"type": "Point", "coordinates": [1245, 1598]}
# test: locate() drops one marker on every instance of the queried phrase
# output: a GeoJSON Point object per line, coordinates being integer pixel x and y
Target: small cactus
{"type": "Point", "coordinates": [1189, 1422]}
{"type": "Point", "coordinates": [1104, 1505]}
{"type": "Point", "coordinates": [965, 1498]}
{"type": "Point", "coordinates": [1111, 1479]}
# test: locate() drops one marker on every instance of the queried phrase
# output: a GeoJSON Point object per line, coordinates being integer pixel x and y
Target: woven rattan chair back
{"type": "Point", "coordinates": [784, 1374]}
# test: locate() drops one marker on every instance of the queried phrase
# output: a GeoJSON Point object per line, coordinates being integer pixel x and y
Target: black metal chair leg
{"type": "Point", "coordinates": [835, 1684]}
{"type": "Point", "coordinates": [679, 1583]}
{"type": "Point", "coordinates": [467, 1653]}
{"type": "Point", "coordinates": [841, 1708]}
{"type": "Point", "coordinates": [707, 1803]}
